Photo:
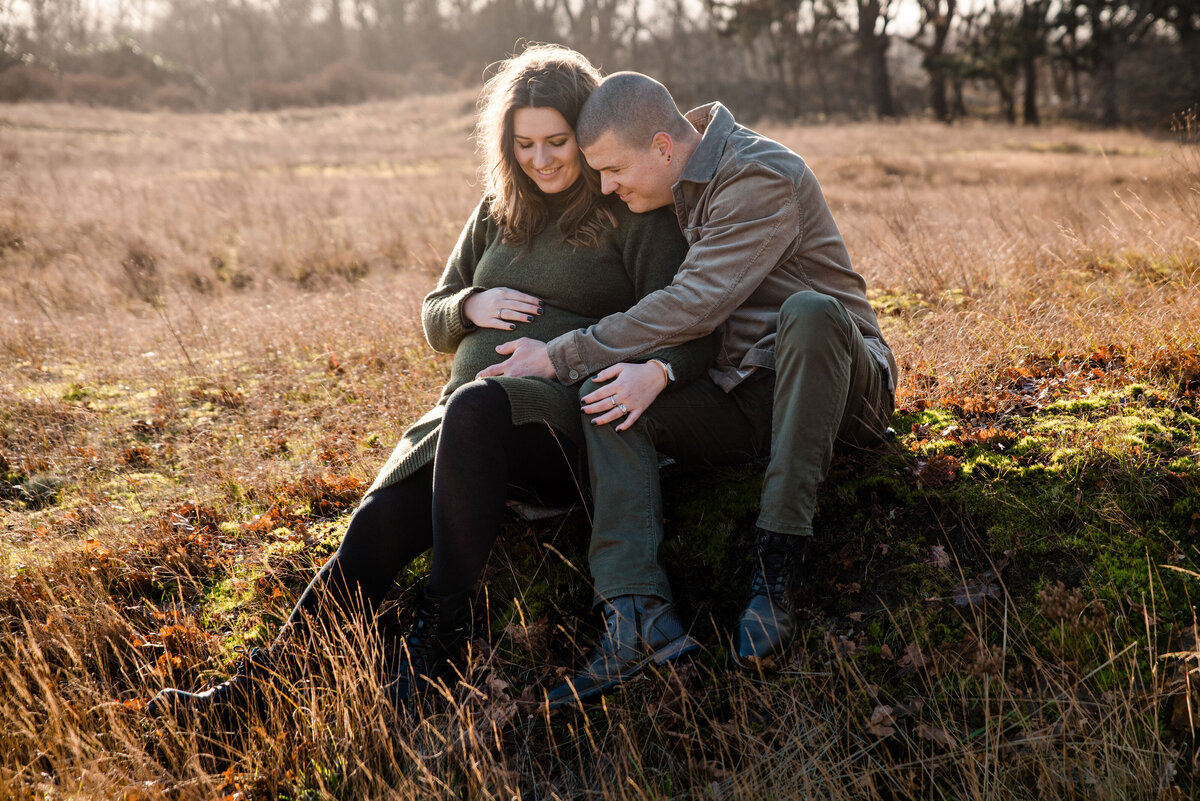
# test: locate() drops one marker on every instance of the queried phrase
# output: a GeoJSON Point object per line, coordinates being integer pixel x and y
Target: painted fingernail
{"type": "Point", "coordinates": [529, 318]}
{"type": "Point", "coordinates": [512, 327]}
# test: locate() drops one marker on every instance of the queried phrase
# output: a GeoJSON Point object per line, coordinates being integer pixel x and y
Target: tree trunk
{"type": "Point", "coordinates": [881, 84]}
{"type": "Point", "coordinates": [873, 47]}
{"type": "Point", "coordinates": [960, 106]}
{"type": "Point", "coordinates": [1106, 88]}
{"type": "Point", "coordinates": [937, 94]}
{"type": "Point", "coordinates": [1008, 104]}
{"type": "Point", "coordinates": [1189, 44]}
{"type": "Point", "coordinates": [1030, 75]}
{"type": "Point", "coordinates": [822, 83]}
{"type": "Point", "coordinates": [337, 30]}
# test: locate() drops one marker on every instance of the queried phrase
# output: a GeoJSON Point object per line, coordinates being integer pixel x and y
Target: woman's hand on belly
{"type": "Point", "coordinates": [501, 308]}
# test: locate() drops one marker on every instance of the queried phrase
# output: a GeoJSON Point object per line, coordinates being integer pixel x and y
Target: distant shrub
{"type": "Point", "coordinates": [273, 95]}
{"type": "Point", "coordinates": [140, 270]}
{"type": "Point", "coordinates": [343, 81]}
{"type": "Point", "coordinates": [176, 97]}
{"type": "Point", "coordinates": [12, 236]}
{"type": "Point", "coordinates": [318, 270]}
{"type": "Point", "coordinates": [420, 80]}
{"type": "Point", "coordinates": [99, 90]}
{"type": "Point", "coordinates": [27, 82]}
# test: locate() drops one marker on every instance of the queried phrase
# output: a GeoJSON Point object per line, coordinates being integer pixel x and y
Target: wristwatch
{"type": "Point", "coordinates": [666, 368]}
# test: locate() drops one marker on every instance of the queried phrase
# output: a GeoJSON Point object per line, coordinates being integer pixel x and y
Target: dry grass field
{"type": "Point", "coordinates": [210, 340]}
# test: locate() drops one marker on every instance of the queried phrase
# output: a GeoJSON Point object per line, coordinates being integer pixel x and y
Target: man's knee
{"type": "Point", "coordinates": [807, 318]}
{"type": "Point", "coordinates": [646, 424]}
{"type": "Point", "coordinates": [587, 388]}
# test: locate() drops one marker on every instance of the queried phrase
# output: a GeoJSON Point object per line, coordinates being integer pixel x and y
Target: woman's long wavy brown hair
{"type": "Point", "coordinates": [543, 76]}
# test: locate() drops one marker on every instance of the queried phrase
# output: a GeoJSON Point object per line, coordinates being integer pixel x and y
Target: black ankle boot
{"type": "Point", "coordinates": [228, 706]}
{"type": "Point", "coordinates": [433, 645]}
{"type": "Point", "coordinates": [768, 624]}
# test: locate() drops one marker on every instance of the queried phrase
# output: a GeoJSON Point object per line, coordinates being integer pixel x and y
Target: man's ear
{"type": "Point", "coordinates": [663, 145]}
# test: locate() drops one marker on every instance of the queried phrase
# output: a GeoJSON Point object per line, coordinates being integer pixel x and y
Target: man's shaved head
{"type": "Point", "coordinates": [633, 106]}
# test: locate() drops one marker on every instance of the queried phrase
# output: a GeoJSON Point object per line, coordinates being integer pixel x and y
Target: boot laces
{"type": "Point", "coordinates": [422, 641]}
{"type": "Point", "coordinates": [612, 623]}
{"type": "Point", "coordinates": [250, 663]}
{"type": "Point", "coordinates": [774, 568]}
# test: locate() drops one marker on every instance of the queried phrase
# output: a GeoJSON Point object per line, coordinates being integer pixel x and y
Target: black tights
{"type": "Point", "coordinates": [455, 505]}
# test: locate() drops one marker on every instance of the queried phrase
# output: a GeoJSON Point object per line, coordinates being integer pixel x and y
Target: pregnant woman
{"type": "Point", "coordinates": [544, 253]}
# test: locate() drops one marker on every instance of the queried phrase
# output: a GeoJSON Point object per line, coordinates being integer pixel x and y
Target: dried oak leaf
{"type": "Point", "coordinates": [973, 591]}
{"type": "Point", "coordinates": [934, 734]}
{"type": "Point", "coordinates": [882, 723]}
{"type": "Point", "coordinates": [912, 660]}
{"type": "Point", "coordinates": [845, 648]}
{"type": "Point", "coordinates": [937, 471]}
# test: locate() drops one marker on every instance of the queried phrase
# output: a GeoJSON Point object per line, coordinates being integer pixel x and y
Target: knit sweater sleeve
{"type": "Point", "coordinates": [442, 310]}
{"type": "Point", "coordinates": [653, 249]}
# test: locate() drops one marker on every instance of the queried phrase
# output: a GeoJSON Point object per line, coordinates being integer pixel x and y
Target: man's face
{"type": "Point", "coordinates": [642, 178]}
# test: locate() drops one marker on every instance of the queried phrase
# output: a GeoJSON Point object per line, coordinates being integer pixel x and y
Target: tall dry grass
{"type": "Point", "coordinates": [209, 318]}
{"type": "Point", "coordinates": [820, 728]}
{"type": "Point", "coordinates": [1042, 237]}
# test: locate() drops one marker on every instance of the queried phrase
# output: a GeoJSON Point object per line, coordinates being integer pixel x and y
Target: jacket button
{"type": "Point", "coordinates": [574, 375]}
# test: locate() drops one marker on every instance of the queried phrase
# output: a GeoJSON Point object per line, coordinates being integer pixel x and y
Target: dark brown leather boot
{"type": "Point", "coordinates": [768, 624]}
{"type": "Point", "coordinates": [639, 629]}
{"type": "Point", "coordinates": [228, 706]}
{"type": "Point", "coordinates": [433, 646]}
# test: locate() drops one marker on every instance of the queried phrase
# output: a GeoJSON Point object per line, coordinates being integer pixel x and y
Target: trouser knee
{"type": "Point", "coordinates": [645, 424]}
{"type": "Point", "coordinates": [809, 318]}
{"type": "Point", "coordinates": [587, 388]}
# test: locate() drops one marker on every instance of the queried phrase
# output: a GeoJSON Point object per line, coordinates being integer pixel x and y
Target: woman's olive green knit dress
{"type": "Point", "coordinates": [577, 287]}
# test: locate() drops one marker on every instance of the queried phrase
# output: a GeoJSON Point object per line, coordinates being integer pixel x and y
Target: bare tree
{"type": "Point", "coordinates": [931, 38]}
{"type": "Point", "coordinates": [337, 29]}
{"type": "Point", "coordinates": [1098, 34]}
{"type": "Point", "coordinates": [598, 28]}
{"type": "Point", "coordinates": [871, 19]}
{"type": "Point", "coordinates": [59, 26]}
{"type": "Point", "coordinates": [989, 54]}
{"type": "Point", "coordinates": [1033, 29]}
{"type": "Point", "coordinates": [1184, 17]}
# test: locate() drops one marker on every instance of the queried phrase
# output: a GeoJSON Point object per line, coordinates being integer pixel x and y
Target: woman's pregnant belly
{"type": "Point", "coordinates": [478, 348]}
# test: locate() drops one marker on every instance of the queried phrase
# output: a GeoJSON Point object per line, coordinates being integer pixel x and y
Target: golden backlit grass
{"type": "Point", "coordinates": [210, 339]}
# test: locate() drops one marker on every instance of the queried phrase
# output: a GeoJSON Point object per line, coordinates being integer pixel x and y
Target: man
{"type": "Point", "coordinates": [801, 363]}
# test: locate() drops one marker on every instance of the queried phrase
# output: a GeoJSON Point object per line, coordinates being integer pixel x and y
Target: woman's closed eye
{"type": "Point", "coordinates": [527, 145]}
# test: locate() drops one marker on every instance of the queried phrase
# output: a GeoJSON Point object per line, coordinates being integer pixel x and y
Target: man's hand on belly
{"type": "Point", "coordinates": [526, 357]}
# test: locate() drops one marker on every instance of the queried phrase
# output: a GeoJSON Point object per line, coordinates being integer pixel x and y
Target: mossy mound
{"type": "Point", "coordinates": [1044, 550]}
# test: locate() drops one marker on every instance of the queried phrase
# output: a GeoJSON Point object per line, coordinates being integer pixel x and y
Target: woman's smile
{"type": "Point", "coordinates": [545, 148]}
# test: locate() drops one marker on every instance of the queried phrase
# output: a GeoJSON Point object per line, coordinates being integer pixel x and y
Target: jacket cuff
{"type": "Point", "coordinates": [566, 360]}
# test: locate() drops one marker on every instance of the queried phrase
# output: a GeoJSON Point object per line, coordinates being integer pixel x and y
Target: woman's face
{"type": "Point", "coordinates": [545, 148]}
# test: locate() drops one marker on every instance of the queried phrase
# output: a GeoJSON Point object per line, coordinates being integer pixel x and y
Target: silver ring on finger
{"type": "Point", "coordinates": [613, 399]}
{"type": "Point", "coordinates": [624, 410]}
{"type": "Point", "coordinates": [500, 314]}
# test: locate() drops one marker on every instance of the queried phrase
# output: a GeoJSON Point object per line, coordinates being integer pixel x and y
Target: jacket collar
{"type": "Point", "coordinates": [715, 123]}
